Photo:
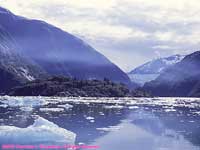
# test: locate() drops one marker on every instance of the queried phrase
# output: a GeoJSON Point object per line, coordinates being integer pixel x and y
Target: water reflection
{"type": "Point", "coordinates": [116, 127]}
{"type": "Point", "coordinates": [147, 133]}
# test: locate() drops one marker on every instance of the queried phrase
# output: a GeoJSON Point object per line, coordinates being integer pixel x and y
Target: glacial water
{"type": "Point", "coordinates": [109, 123]}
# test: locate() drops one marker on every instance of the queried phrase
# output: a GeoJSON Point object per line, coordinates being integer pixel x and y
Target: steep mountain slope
{"type": "Point", "coordinates": [14, 69]}
{"type": "Point", "coordinates": [56, 51]}
{"type": "Point", "coordinates": [182, 79]}
{"type": "Point", "coordinates": [151, 70]}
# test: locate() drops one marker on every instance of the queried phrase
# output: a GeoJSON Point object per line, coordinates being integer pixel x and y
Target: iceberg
{"type": "Point", "coordinates": [41, 132]}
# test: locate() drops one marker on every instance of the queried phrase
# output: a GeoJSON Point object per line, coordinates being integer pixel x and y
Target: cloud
{"type": "Point", "coordinates": [129, 32]}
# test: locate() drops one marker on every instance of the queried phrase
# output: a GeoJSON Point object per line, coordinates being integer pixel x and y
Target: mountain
{"type": "Point", "coordinates": [181, 79]}
{"type": "Point", "coordinates": [56, 51]}
{"type": "Point", "coordinates": [65, 86]}
{"type": "Point", "coordinates": [14, 69]}
{"type": "Point", "coordinates": [152, 69]}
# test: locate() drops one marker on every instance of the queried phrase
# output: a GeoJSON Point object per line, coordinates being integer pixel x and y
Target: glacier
{"type": "Point", "coordinates": [152, 69]}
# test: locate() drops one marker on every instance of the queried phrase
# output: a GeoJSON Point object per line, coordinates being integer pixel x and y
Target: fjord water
{"type": "Point", "coordinates": [110, 123]}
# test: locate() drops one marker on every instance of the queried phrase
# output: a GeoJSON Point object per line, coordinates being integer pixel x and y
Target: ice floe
{"type": "Point", "coordinates": [110, 103]}
{"type": "Point", "coordinates": [101, 114]}
{"type": "Point", "coordinates": [66, 106]}
{"type": "Point", "coordinates": [90, 118]}
{"type": "Point", "coordinates": [23, 101]}
{"type": "Point", "coordinates": [4, 105]}
{"type": "Point", "coordinates": [114, 107]}
{"type": "Point", "coordinates": [110, 128]}
{"type": "Point", "coordinates": [52, 109]}
{"type": "Point", "coordinates": [27, 109]}
{"type": "Point", "coordinates": [170, 110]}
{"type": "Point", "coordinates": [41, 132]}
{"type": "Point", "coordinates": [133, 107]}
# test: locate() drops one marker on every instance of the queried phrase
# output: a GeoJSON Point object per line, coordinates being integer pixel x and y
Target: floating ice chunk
{"type": "Point", "coordinates": [4, 105]}
{"type": "Point", "coordinates": [170, 110]}
{"type": "Point", "coordinates": [191, 121]}
{"type": "Point", "coordinates": [81, 143]}
{"type": "Point", "coordinates": [110, 128]}
{"type": "Point", "coordinates": [26, 109]}
{"type": "Point", "coordinates": [114, 107]}
{"type": "Point", "coordinates": [197, 112]}
{"type": "Point", "coordinates": [23, 101]}
{"type": "Point", "coordinates": [110, 103]}
{"type": "Point", "coordinates": [66, 106]}
{"type": "Point", "coordinates": [26, 74]}
{"type": "Point", "coordinates": [52, 109]}
{"type": "Point", "coordinates": [41, 132]}
{"type": "Point", "coordinates": [101, 113]}
{"type": "Point", "coordinates": [92, 121]}
{"type": "Point", "coordinates": [90, 118]}
{"type": "Point", "coordinates": [133, 107]}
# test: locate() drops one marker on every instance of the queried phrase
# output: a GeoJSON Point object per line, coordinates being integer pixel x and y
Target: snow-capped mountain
{"type": "Point", "coordinates": [151, 70]}
{"type": "Point", "coordinates": [56, 51]}
{"type": "Point", "coordinates": [179, 80]}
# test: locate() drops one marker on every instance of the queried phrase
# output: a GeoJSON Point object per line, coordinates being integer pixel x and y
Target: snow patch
{"type": "Point", "coordinates": [26, 74]}
{"type": "Point", "coordinates": [151, 70]}
{"type": "Point", "coordinates": [173, 60]}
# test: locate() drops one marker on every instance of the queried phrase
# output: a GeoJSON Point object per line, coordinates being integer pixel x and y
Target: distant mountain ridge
{"type": "Point", "coordinates": [53, 50]}
{"type": "Point", "coordinates": [152, 69]}
{"type": "Point", "coordinates": [182, 79]}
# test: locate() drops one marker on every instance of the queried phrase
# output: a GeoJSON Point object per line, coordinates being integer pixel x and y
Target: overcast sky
{"type": "Point", "coordinates": [128, 32]}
